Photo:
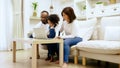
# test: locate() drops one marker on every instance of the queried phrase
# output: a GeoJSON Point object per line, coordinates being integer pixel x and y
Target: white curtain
{"type": "Point", "coordinates": [6, 22]}
{"type": "Point", "coordinates": [17, 21]}
{"type": "Point", "coordinates": [11, 25]}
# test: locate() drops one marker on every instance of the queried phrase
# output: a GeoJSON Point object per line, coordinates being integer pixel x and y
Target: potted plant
{"type": "Point", "coordinates": [35, 5]}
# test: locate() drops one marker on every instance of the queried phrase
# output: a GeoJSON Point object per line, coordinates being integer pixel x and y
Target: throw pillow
{"type": "Point", "coordinates": [112, 33]}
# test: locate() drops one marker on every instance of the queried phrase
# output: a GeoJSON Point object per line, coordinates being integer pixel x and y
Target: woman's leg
{"type": "Point", "coordinates": [68, 42]}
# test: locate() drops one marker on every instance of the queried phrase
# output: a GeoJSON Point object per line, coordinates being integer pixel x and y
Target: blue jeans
{"type": "Point", "coordinates": [68, 42]}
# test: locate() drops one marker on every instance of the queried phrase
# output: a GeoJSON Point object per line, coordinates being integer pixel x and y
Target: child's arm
{"type": "Point", "coordinates": [51, 33]}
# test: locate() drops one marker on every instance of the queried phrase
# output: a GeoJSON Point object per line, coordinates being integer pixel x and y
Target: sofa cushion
{"type": "Point", "coordinates": [113, 21]}
{"type": "Point", "coordinates": [86, 28]}
{"type": "Point", "coordinates": [112, 33]}
{"type": "Point", "coordinates": [100, 46]}
{"type": "Point", "coordinates": [85, 33]}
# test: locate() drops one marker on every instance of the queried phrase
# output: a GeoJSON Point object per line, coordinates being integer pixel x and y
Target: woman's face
{"type": "Point", "coordinates": [65, 17]}
{"type": "Point", "coordinates": [50, 23]}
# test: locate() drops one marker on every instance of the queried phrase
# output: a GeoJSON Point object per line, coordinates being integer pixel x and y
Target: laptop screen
{"type": "Point", "coordinates": [40, 33]}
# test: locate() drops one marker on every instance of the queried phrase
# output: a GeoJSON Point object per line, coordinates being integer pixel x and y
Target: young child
{"type": "Point", "coordinates": [53, 20]}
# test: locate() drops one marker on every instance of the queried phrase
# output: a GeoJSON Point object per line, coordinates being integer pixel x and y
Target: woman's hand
{"type": "Point", "coordinates": [58, 37]}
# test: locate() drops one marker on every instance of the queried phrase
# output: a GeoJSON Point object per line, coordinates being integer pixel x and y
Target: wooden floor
{"type": "Point", "coordinates": [23, 61]}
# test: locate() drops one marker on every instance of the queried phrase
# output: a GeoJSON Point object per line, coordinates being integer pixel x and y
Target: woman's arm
{"type": "Point", "coordinates": [62, 27]}
{"type": "Point", "coordinates": [67, 36]}
{"type": "Point", "coordinates": [73, 31]}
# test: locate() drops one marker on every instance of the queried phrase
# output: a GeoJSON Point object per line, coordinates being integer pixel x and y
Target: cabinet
{"type": "Point", "coordinates": [94, 9]}
{"type": "Point", "coordinates": [80, 8]}
{"type": "Point", "coordinates": [105, 10]}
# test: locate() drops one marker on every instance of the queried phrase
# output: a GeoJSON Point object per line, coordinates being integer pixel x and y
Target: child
{"type": "Point", "coordinates": [52, 48]}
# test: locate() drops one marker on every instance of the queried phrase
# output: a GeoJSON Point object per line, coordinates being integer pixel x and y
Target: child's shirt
{"type": "Point", "coordinates": [52, 32]}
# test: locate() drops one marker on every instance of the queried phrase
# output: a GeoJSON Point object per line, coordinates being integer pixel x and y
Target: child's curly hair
{"type": "Point", "coordinates": [54, 19]}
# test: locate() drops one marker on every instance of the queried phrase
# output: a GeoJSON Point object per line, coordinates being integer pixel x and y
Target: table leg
{"type": "Point", "coordinates": [34, 55]}
{"type": "Point", "coordinates": [38, 56]}
{"type": "Point", "coordinates": [61, 54]}
{"type": "Point", "coordinates": [14, 51]}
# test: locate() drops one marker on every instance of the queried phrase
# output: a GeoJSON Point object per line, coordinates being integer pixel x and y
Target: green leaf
{"type": "Point", "coordinates": [35, 4]}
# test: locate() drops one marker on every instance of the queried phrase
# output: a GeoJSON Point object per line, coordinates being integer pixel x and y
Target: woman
{"type": "Point", "coordinates": [69, 26]}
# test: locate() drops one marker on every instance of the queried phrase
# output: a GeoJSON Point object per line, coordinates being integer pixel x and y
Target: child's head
{"type": "Point", "coordinates": [53, 20]}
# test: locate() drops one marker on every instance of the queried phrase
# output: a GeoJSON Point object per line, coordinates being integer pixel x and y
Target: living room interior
{"type": "Point", "coordinates": [99, 25]}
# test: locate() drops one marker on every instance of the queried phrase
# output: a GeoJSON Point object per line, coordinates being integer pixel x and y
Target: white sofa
{"type": "Point", "coordinates": [105, 42]}
{"type": "Point", "coordinates": [85, 30]}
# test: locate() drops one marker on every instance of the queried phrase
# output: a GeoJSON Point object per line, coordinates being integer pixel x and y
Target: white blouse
{"type": "Point", "coordinates": [69, 29]}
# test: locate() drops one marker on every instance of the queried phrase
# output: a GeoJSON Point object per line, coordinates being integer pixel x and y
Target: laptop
{"type": "Point", "coordinates": [40, 33]}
